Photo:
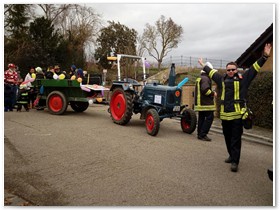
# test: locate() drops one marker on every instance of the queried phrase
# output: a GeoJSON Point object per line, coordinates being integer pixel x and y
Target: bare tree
{"type": "Point", "coordinates": [80, 18]}
{"type": "Point", "coordinates": [52, 11]}
{"type": "Point", "coordinates": [160, 39]}
{"type": "Point", "coordinates": [80, 24]}
{"type": "Point", "coordinates": [141, 46]}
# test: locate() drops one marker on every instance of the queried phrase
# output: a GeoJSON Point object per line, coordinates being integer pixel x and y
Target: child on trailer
{"type": "Point", "coordinates": [23, 98]}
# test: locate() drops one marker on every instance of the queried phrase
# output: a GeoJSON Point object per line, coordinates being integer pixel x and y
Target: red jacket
{"type": "Point", "coordinates": [10, 77]}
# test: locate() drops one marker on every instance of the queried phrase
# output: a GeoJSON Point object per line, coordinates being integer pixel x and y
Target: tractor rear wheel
{"type": "Point", "coordinates": [79, 106]}
{"type": "Point", "coordinates": [152, 122]}
{"type": "Point", "coordinates": [188, 121]}
{"type": "Point", "coordinates": [57, 103]}
{"type": "Point", "coordinates": [121, 106]}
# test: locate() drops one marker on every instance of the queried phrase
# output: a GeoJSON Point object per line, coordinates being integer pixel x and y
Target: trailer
{"type": "Point", "coordinates": [56, 95]}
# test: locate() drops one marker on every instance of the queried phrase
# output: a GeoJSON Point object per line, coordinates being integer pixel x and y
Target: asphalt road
{"type": "Point", "coordinates": [84, 159]}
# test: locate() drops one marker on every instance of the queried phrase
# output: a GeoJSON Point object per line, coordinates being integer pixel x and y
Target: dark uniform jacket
{"type": "Point", "coordinates": [234, 90]}
{"type": "Point", "coordinates": [204, 96]}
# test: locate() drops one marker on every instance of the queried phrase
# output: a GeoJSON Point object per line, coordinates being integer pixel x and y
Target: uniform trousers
{"type": "Point", "coordinates": [205, 120]}
{"type": "Point", "coordinates": [233, 130]}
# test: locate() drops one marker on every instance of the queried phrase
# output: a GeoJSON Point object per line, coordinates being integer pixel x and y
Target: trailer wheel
{"type": "Point", "coordinates": [57, 103]}
{"type": "Point", "coordinates": [152, 122]}
{"type": "Point", "coordinates": [121, 106]}
{"type": "Point", "coordinates": [79, 106]}
{"type": "Point", "coordinates": [188, 121]}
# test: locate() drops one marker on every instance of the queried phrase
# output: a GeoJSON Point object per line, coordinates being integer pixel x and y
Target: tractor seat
{"type": "Point", "coordinates": [153, 82]}
{"type": "Point", "coordinates": [131, 81]}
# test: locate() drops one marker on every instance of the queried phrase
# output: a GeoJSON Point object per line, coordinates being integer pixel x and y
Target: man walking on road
{"type": "Point", "coordinates": [234, 88]}
{"type": "Point", "coordinates": [204, 104]}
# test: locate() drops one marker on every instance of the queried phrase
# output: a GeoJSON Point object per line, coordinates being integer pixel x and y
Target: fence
{"type": "Point", "coordinates": [192, 61]}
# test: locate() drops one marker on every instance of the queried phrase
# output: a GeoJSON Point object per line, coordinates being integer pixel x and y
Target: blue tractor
{"type": "Point", "coordinates": [154, 101]}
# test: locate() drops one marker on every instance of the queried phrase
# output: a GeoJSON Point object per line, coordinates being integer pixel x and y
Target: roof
{"type": "Point", "coordinates": [256, 49]}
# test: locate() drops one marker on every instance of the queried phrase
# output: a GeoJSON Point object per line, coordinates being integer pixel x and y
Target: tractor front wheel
{"type": "Point", "coordinates": [152, 122]}
{"type": "Point", "coordinates": [121, 106]}
{"type": "Point", "coordinates": [188, 121]}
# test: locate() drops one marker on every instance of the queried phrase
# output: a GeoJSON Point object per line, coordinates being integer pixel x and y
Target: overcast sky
{"type": "Point", "coordinates": [215, 31]}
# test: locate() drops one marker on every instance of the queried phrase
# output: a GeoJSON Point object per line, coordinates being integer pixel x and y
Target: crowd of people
{"type": "Point", "coordinates": [19, 92]}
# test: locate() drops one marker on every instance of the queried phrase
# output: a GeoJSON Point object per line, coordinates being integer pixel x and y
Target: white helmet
{"type": "Point", "coordinates": [209, 65]}
{"type": "Point", "coordinates": [38, 69]}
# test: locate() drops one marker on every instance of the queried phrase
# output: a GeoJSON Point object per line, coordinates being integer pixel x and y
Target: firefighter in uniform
{"type": "Point", "coordinates": [205, 105]}
{"type": "Point", "coordinates": [234, 87]}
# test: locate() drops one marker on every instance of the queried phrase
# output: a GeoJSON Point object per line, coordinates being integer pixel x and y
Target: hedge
{"type": "Point", "coordinates": [260, 99]}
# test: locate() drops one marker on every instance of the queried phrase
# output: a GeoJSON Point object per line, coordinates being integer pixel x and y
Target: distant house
{"type": "Point", "coordinates": [255, 51]}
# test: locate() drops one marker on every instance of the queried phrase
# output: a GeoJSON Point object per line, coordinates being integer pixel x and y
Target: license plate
{"type": "Point", "coordinates": [176, 108]}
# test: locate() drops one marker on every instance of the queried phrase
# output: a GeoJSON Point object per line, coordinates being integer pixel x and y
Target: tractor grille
{"type": "Point", "coordinates": [170, 97]}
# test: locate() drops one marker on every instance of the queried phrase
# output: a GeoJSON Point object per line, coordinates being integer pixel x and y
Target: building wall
{"type": "Point", "coordinates": [188, 96]}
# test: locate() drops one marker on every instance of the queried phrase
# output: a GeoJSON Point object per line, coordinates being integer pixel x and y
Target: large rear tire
{"type": "Point", "coordinates": [121, 106]}
{"type": "Point", "coordinates": [152, 122]}
{"type": "Point", "coordinates": [188, 121]}
{"type": "Point", "coordinates": [57, 103]}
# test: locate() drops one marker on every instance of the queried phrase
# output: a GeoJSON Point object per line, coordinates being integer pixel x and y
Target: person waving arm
{"type": "Point", "coordinates": [213, 73]}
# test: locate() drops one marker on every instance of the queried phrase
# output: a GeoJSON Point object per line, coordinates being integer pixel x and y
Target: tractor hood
{"type": "Point", "coordinates": [165, 96]}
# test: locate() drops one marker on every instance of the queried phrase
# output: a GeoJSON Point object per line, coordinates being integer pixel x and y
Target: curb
{"type": "Point", "coordinates": [247, 136]}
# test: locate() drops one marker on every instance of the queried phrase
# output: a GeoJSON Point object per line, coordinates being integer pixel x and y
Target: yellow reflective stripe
{"type": "Point", "coordinates": [208, 92]}
{"type": "Point", "coordinates": [198, 91]}
{"type": "Point", "coordinates": [223, 91]}
{"type": "Point", "coordinates": [212, 72]}
{"type": "Point", "coordinates": [230, 118]}
{"type": "Point", "coordinates": [236, 90]}
{"type": "Point", "coordinates": [256, 66]}
{"type": "Point", "coordinates": [205, 108]}
{"type": "Point", "coordinates": [245, 115]}
{"type": "Point", "coordinates": [230, 115]}
{"type": "Point", "coordinates": [236, 95]}
{"type": "Point", "coordinates": [222, 108]}
{"type": "Point", "coordinates": [237, 107]}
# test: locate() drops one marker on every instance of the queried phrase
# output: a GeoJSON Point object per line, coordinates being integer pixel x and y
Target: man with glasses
{"type": "Point", "coordinates": [234, 87]}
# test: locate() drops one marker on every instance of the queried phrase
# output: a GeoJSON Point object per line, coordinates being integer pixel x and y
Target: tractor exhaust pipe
{"type": "Point", "coordinates": [172, 75]}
